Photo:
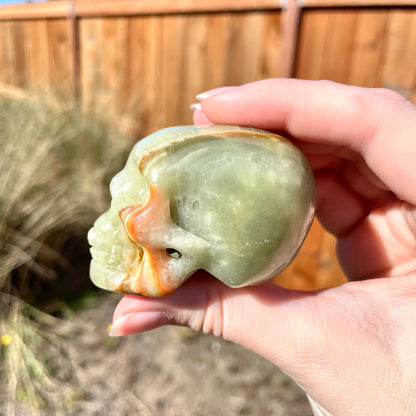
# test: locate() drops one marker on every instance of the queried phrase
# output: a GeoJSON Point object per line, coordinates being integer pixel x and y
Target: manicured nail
{"type": "Point", "coordinates": [135, 322]}
{"type": "Point", "coordinates": [206, 94]}
{"type": "Point", "coordinates": [196, 107]}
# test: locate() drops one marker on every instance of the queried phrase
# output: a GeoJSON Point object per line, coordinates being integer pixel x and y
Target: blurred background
{"type": "Point", "coordinates": [80, 82]}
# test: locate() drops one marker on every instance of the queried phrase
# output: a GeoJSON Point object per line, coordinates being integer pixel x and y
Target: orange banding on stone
{"type": "Point", "coordinates": [143, 223]}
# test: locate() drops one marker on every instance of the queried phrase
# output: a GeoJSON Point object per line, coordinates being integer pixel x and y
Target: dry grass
{"type": "Point", "coordinates": [55, 165]}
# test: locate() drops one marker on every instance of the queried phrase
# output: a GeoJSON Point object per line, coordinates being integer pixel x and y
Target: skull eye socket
{"type": "Point", "coordinates": [174, 253]}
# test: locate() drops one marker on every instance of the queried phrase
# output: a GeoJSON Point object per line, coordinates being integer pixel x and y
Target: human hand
{"type": "Point", "coordinates": [351, 348]}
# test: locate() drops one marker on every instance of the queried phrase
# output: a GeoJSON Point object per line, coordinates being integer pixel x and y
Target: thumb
{"type": "Point", "coordinates": [331, 342]}
{"type": "Point", "coordinates": [274, 322]}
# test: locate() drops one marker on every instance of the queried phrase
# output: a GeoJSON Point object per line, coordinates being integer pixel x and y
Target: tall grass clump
{"type": "Point", "coordinates": [55, 167]}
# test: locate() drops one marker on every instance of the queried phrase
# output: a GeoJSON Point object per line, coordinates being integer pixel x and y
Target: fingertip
{"type": "Point", "coordinates": [135, 322]}
{"type": "Point", "coordinates": [127, 303]}
{"type": "Point", "coordinates": [199, 117]}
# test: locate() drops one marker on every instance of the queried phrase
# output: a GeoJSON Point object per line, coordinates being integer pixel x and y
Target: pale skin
{"type": "Point", "coordinates": [351, 348]}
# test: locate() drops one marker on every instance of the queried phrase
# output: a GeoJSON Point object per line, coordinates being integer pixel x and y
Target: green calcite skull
{"type": "Point", "coordinates": [236, 202]}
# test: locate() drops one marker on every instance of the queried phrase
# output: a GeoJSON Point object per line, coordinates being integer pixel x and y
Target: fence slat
{"type": "Point", "coordinates": [400, 54]}
{"type": "Point", "coordinates": [339, 47]}
{"type": "Point", "coordinates": [90, 53]}
{"type": "Point", "coordinates": [368, 49]}
{"type": "Point", "coordinates": [310, 54]}
{"type": "Point", "coordinates": [143, 76]}
{"type": "Point", "coordinates": [36, 53]}
{"type": "Point", "coordinates": [59, 53]}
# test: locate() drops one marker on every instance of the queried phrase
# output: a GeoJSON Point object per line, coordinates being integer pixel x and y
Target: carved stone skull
{"type": "Point", "coordinates": [233, 201]}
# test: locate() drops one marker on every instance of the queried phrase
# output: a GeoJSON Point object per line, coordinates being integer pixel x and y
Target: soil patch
{"type": "Point", "coordinates": [170, 371]}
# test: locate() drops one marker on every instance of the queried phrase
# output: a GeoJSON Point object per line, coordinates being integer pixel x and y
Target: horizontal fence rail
{"type": "Point", "coordinates": [91, 8]}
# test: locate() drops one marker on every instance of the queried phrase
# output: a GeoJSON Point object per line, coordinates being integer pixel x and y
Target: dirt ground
{"type": "Point", "coordinates": [165, 372]}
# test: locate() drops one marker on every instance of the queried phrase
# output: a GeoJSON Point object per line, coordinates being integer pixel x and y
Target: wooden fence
{"type": "Point", "coordinates": [148, 60]}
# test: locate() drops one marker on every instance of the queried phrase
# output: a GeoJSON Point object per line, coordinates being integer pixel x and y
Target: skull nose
{"type": "Point", "coordinates": [143, 221]}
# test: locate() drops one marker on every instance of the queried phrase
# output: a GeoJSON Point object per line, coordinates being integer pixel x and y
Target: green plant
{"type": "Point", "coordinates": [55, 166]}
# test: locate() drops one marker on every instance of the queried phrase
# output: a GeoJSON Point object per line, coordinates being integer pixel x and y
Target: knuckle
{"type": "Point", "coordinates": [387, 93]}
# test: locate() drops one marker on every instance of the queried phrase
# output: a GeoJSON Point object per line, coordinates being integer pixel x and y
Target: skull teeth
{"type": "Point", "coordinates": [114, 254]}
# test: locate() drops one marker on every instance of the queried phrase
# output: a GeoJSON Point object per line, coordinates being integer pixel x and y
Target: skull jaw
{"type": "Point", "coordinates": [154, 276]}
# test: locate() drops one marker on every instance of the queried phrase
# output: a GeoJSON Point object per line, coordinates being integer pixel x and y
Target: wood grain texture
{"type": "Point", "coordinates": [106, 8]}
{"type": "Point", "coordinates": [59, 53]}
{"type": "Point", "coordinates": [145, 7]}
{"type": "Point", "coordinates": [358, 3]}
{"type": "Point", "coordinates": [103, 8]}
{"type": "Point", "coordinates": [41, 10]}
{"type": "Point", "coordinates": [312, 37]}
{"type": "Point", "coordinates": [379, 51]}
{"type": "Point", "coordinates": [369, 48]}
{"type": "Point", "coordinates": [398, 72]}
{"type": "Point", "coordinates": [143, 75]}
{"type": "Point", "coordinates": [339, 43]}
{"type": "Point", "coordinates": [90, 56]}
{"type": "Point", "coordinates": [156, 65]}
{"type": "Point", "coordinates": [36, 39]}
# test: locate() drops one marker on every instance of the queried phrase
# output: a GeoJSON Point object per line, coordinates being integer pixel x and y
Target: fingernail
{"type": "Point", "coordinates": [135, 322]}
{"type": "Point", "coordinates": [196, 107]}
{"type": "Point", "coordinates": [206, 94]}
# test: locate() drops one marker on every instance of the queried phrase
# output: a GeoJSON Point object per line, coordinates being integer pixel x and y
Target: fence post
{"type": "Point", "coordinates": [291, 14]}
{"type": "Point", "coordinates": [75, 49]}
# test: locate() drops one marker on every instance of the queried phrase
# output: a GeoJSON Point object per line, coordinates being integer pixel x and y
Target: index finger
{"type": "Point", "coordinates": [378, 124]}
